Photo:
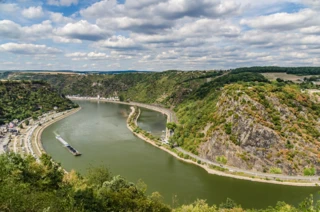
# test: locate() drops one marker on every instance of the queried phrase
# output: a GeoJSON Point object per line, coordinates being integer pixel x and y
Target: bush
{"type": "Point", "coordinates": [222, 159]}
{"type": "Point", "coordinates": [228, 128]}
{"type": "Point", "coordinates": [275, 170]}
{"type": "Point", "coordinates": [309, 171]}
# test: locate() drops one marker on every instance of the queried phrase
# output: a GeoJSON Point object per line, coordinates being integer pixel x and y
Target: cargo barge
{"type": "Point", "coordinates": [70, 148]}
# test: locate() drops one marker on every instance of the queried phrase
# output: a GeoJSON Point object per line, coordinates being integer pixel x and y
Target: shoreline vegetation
{"type": "Point", "coordinates": [132, 125]}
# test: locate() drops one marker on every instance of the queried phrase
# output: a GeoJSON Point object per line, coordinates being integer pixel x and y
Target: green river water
{"type": "Point", "coordinates": [99, 132]}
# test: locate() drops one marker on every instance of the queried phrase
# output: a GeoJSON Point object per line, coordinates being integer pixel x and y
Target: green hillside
{"type": "Point", "coordinates": [254, 125]}
{"type": "Point", "coordinates": [20, 100]}
{"type": "Point", "coordinates": [167, 88]}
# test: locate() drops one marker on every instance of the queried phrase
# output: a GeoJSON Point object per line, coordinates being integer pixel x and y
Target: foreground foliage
{"type": "Point", "coordinates": [26, 185]}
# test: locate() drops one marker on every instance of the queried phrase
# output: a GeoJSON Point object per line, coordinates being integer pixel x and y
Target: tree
{"type": "Point", "coordinates": [97, 176]}
{"type": "Point", "coordinates": [121, 98]}
{"type": "Point", "coordinates": [171, 126]}
{"type": "Point", "coordinates": [229, 204]}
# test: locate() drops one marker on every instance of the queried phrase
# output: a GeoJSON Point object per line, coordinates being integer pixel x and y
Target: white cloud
{"type": "Point", "coordinates": [12, 30]}
{"type": "Point", "coordinates": [36, 31]}
{"type": "Point", "coordinates": [282, 21]}
{"type": "Point", "coordinates": [169, 55]}
{"type": "Point", "coordinates": [312, 3]}
{"type": "Point", "coordinates": [8, 8]}
{"type": "Point", "coordinates": [173, 9]}
{"type": "Point", "coordinates": [59, 39]}
{"type": "Point", "coordinates": [87, 56]}
{"type": "Point", "coordinates": [59, 18]}
{"type": "Point", "coordinates": [119, 43]}
{"type": "Point", "coordinates": [311, 30]}
{"type": "Point", "coordinates": [82, 30]}
{"type": "Point", "coordinates": [311, 40]}
{"type": "Point", "coordinates": [209, 27]}
{"type": "Point", "coordinates": [33, 12]}
{"type": "Point", "coordinates": [141, 3]}
{"type": "Point", "coordinates": [62, 2]}
{"type": "Point", "coordinates": [140, 25]}
{"type": "Point", "coordinates": [76, 54]}
{"type": "Point", "coordinates": [100, 9]}
{"type": "Point", "coordinates": [157, 38]}
{"type": "Point", "coordinates": [34, 49]}
{"type": "Point", "coordinates": [9, 29]}
{"type": "Point", "coordinates": [95, 55]}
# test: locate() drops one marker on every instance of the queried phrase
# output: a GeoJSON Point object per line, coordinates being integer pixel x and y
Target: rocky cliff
{"type": "Point", "coordinates": [266, 128]}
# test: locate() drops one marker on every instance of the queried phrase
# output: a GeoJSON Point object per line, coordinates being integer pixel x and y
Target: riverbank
{"type": "Point", "coordinates": [206, 167]}
{"type": "Point", "coordinates": [30, 137]}
{"type": "Point", "coordinates": [39, 130]}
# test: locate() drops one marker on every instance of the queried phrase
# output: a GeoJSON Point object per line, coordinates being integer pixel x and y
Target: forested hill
{"type": "Point", "coordinates": [166, 88]}
{"type": "Point", "coordinates": [20, 100]}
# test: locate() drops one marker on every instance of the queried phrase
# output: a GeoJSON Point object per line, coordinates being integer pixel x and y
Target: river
{"type": "Point", "coordinates": [99, 132]}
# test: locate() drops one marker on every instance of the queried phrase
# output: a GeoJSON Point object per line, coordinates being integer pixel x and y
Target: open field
{"type": "Point", "coordinates": [285, 76]}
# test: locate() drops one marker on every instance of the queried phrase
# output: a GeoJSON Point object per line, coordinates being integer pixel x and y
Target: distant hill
{"type": "Point", "coordinates": [71, 71]}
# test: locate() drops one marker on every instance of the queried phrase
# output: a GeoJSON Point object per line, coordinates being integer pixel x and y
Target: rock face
{"type": "Point", "coordinates": [260, 131]}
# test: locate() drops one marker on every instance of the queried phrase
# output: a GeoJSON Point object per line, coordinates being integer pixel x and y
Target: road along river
{"type": "Point", "coordinates": [100, 133]}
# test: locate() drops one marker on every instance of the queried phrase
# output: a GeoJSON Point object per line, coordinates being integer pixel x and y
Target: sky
{"type": "Point", "coordinates": [157, 35]}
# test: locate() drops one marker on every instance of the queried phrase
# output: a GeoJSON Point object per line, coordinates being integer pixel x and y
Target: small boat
{"type": "Point", "coordinates": [70, 148]}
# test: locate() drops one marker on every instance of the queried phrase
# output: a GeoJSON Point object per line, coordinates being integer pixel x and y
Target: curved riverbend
{"type": "Point", "coordinates": [245, 174]}
{"type": "Point", "coordinates": [99, 131]}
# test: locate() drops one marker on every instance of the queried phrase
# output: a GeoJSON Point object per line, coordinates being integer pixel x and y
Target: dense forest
{"type": "Point", "coordinates": [20, 100]}
{"type": "Point", "coordinates": [26, 185]}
